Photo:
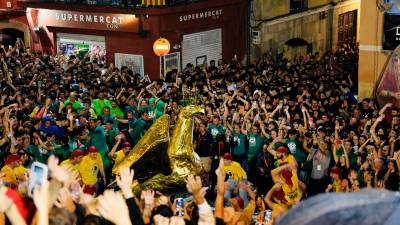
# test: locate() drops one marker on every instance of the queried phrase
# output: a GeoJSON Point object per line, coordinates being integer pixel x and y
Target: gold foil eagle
{"type": "Point", "coordinates": [162, 162]}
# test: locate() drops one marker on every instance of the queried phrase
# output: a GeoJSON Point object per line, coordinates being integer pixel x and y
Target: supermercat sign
{"type": "Point", "coordinates": [88, 20]}
{"type": "Point", "coordinates": [214, 14]}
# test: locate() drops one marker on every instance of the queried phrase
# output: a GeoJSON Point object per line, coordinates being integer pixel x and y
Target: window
{"type": "Point", "coordinates": [172, 62]}
{"type": "Point", "coordinates": [347, 27]}
{"type": "Point", "coordinates": [133, 62]}
{"type": "Point", "coordinates": [298, 5]}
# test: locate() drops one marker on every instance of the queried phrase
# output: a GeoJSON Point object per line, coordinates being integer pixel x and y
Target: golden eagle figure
{"type": "Point", "coordinates": [163, 163]}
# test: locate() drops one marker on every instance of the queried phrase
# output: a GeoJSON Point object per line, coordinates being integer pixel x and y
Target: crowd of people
{"type": "Point", "coordinates": [274, 133]}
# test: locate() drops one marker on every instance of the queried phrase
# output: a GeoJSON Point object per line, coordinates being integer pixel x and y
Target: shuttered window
{"type": "Point", "coordinates": [202, 47]}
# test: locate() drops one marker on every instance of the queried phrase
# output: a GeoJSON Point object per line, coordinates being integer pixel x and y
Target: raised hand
{"type": "Point", "coordinates": [194, 186]}
{"type": "Point", "coordinates": [113, 208]}
{"type": "Point", "coordinates": [124, 181]}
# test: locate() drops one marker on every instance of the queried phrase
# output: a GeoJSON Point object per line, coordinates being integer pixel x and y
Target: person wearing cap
{"type": "Point", "coordinates": [12, 162]}
{"type": "Point", "coordinates": [89, 169]}
{"type": "Point", "coordinates": [156, 108]}
{"type": "Point", "coordinates": [235, 174]}
{"type": "Point", "coordinates": [281, 153]}
{"type": "Point", "coordinates": [293, 188]}
{"type": "Point", "coordinates": [118, 156]}
{"type": "Point", "coordinates": [74, 159]}
{"type": "Point", "coordinates": [336, 175]}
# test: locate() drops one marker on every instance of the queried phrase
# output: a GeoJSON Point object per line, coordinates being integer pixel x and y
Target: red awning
{"type": "Point", "coordinates": [6, 14]}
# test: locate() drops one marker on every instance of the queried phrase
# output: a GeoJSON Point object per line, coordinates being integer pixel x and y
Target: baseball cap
{"type": "Point", "coordinates": [282, 149]}
{"type": "Point", "coordinates": [92, 149]}
{"type": "Point", "coordinates": [152, 100]}
{"type": "Point", "coordinates": [336, 170]}
{"type": "Point", "coordinates": [126, 144]}
{"type": "Point", "coordinates": [12, 158]}
{"type": "Point", "coordinates": [76, 153]}
{"type": "Point", "coordinates": [228, 156]}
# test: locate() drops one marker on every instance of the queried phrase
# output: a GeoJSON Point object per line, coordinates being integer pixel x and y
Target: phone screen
{"type": "Point", "coordinates": [180, 211]}
{"type": "Point", "coordinates": [38, 176]}
{"type": "Point", "coordinates": [38, 172]}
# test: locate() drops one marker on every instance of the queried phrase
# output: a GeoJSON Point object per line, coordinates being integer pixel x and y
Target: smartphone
{"type": "Point", "coordinates": [39, 83]}
{"type": "Point", "coordinates": [38, 176]}
{"type": "Point", "coordinates": [180, 204]}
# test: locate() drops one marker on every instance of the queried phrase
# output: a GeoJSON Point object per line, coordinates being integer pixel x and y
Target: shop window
{"type": "Point", "coordinates": [133, 62]}
{"type": "Point", "coordinates": [298, 5]}
{"type": "Point", "coordinates": [347, 28]}
{"type": "Point", "coordinates": [172, 62]}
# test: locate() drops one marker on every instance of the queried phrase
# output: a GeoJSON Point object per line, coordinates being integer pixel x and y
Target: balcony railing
{"type": "Point", "coordinates": [120, 3]}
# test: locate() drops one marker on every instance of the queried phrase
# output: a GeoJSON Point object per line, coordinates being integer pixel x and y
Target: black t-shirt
{"type": "Point", "coordinates": [203, 144]}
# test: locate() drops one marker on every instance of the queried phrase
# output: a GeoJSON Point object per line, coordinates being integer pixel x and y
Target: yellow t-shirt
{"type": "Point", "coordinates": [19, 172]}
{"type": "Point", "coordinates": [336, 186]}
{"type": "Point", "coordinates": [9, 174]}
{"type": "Point", "coordinates": [292, 193]}
{"type": "Point", "coordinates": [119, 156]}
{"type": "Point", "coordinates": [90, 168]}
{"type": "Point", "coordinates": [234, 171]}
{"type": "Point", "coordinates": [249, 211]}
{"type": "Point", "coordinates": [69, 163]}
{"type": "Point", "coordinates": [289, 160]}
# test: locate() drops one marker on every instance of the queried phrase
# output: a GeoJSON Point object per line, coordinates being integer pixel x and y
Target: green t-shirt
{"type": "Point", "coordinates": [139, 129]}
{"type": "Point", "coordinates": [100, 104]}
{"type": "Point", "coordinates": [117, 112]}
{"type": "Point", "coordinates": [111, 134]}
{"type": "Point", "coordinates": [255, 145]}
{"type": "Point", "coordinates": [98, 139]}
{"type": "Point", "coordinates": [239, 140]}
{"type": "Point", "coordinates": [34, 151]}
{"type": "Point", "coordinates": [76, 105]}
{"type": "Point", "coordinates": [215, 130]}
{"type": "Point", "coordinates": [295, 150]}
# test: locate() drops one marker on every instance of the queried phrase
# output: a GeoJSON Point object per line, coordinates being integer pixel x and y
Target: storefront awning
{"type": "Point", "coordinates": [6, 14]}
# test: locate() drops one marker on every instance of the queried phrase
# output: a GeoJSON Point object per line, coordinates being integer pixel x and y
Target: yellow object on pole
{"type": "Point", "coordinates": [161, 47]}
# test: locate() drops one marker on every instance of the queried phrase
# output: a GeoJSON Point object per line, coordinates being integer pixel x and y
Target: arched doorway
{"type": "Point", "coordinates": [8, 36]}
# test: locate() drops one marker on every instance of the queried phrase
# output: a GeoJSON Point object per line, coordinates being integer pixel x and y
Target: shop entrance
{"type": "Point", "coordinates": [79, 45]}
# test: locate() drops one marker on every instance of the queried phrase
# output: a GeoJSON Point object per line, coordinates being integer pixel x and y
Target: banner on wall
{"type": "Point", "coordinates": [388, 86]}
{"type": "Point", "coordinates": [133, 62]}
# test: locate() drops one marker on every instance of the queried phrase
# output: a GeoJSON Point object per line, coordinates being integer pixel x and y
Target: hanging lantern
{"type": "Point", "coordinates": [161, 47]}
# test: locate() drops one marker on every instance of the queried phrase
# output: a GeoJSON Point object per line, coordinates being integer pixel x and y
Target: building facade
{"type": "Point", "coordinates": [321, 24]}
{"type": "Point", "coordinates": [198, 32]}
